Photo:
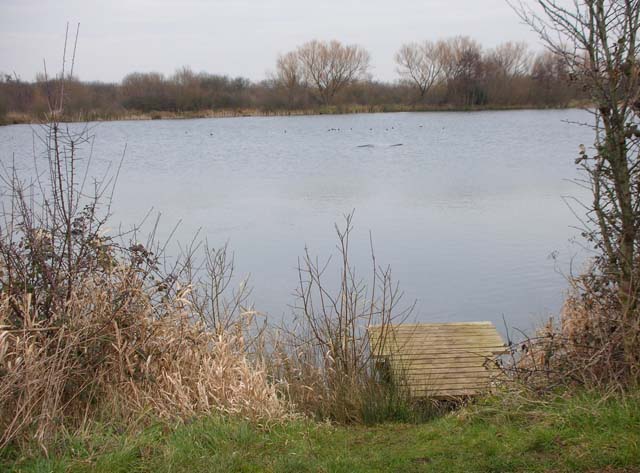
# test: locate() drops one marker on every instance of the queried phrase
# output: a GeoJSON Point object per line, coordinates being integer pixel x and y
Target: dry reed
{"type": "Point", "coordinates": [113, 354]}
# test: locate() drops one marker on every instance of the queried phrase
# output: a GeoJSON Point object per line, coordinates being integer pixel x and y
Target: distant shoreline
{"type": "Point", "coordinates": [15, 118]}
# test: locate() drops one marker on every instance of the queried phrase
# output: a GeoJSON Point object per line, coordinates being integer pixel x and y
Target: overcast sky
{"type": "Point", "coordinates": [235, 37]}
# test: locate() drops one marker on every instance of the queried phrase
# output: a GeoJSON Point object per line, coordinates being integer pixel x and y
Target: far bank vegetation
{"type": "Point", "coordinates": [317, 77]}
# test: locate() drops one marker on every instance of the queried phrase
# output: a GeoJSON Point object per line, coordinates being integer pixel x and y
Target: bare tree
{"type": "Point", "coordinates": [511, 59]}
{"type": "Point", "coordinates": [460, 56]}
{"type": "Point", "coordinates": [462, 65]}
{"type": "Point", "coordinates": [289, 75]}
{"type": "Point", "coordinates": [421, 64]}
{"type": "Point", "coordinates": [327, 353]}
{"type": "Point", "coordinates": [551, 84]}
{"type": "Point", "coordinates": [548, 66]}
{"type": "Point", "coordinates": [506, 74]}
{"type": "Point", "coordinates": [597, 41]}
{"type": "Point", "coordinates": [330, 66]}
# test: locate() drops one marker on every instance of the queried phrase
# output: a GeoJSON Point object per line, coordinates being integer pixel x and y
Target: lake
{"type": "Point", "coordinates": [467, 208]}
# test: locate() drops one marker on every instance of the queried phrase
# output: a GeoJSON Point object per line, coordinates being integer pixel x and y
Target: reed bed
{"type": "Point", "coordinates": [108, 352]}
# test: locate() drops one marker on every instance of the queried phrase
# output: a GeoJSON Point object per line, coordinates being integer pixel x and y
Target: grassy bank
{"type": "Point", "coordinates": [13, 118]}
{"type": "Point", "coordinates": [582, 433]}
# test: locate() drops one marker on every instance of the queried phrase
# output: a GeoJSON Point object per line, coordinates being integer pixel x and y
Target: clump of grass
{"type": "Point", "coordinates": [112, 353]}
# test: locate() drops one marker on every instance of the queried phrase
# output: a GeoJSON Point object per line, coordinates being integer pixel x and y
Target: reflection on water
{"type": "Point", "coordinates": [467, 210]}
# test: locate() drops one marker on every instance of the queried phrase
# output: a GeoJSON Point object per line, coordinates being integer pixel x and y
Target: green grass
{"type": "Point", "coordinates": [580, 433]}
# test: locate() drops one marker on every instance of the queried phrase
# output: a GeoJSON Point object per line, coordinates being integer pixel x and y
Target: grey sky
{"type": "Point", "coordinates": [235, 37]}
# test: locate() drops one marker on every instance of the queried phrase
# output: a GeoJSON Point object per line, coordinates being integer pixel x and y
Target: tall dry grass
{"type": "Point", "coordinates": [109, 353]}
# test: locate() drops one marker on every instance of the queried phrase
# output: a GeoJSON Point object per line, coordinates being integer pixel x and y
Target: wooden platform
{"type": "Point", "coordinates": [439, 360]}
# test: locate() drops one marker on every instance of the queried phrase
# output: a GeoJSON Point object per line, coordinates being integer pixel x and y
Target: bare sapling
{"type": "Point", "coordinates": [326, 355]}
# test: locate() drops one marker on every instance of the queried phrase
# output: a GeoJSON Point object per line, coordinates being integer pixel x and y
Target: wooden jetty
{"type": "Point", "coordinates": [441, 360]}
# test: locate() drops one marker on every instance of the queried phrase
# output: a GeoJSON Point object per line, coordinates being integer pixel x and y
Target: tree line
{"type": "Point", "coordinates": [452, 73]}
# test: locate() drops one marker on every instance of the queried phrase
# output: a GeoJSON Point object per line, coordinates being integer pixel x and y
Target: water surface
{"type": "Point", "coordinates": [467, 208]}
